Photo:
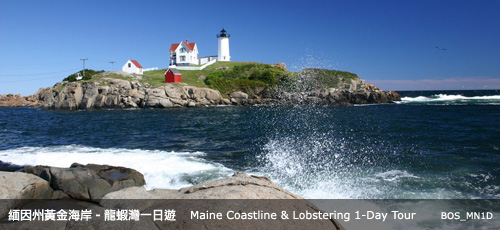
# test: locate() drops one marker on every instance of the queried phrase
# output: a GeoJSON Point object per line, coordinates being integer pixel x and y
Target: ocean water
{"type": "Point", "coordinates": [431, 145]}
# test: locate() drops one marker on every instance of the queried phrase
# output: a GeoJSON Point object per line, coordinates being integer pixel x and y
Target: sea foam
{"type": "Point", "coordinates": [395, 175]}
{"type": "Point", "coordinates": [445, 98]}
{"type": "Point", "coordinates": [161, 169]}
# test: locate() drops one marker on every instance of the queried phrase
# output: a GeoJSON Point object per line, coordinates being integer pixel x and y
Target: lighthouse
{"type": "Point", "coordinates": [223, 51]}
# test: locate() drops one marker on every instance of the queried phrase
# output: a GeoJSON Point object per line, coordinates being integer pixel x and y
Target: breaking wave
{"type": "Point", "coordinates": [451, 99]}
{"type": "Point", "coordinates": [161, 169]}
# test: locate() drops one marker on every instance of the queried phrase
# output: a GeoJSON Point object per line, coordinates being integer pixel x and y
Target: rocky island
{"type": "Point", "coordinates": [224, 83]}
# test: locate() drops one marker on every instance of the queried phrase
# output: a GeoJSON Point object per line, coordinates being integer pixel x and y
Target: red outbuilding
{"type": "Point", "coordinates": [172, 75]}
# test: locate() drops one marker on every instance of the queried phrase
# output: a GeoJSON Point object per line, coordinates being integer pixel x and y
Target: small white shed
{"type": "Point", "coordinates": [132, 66]}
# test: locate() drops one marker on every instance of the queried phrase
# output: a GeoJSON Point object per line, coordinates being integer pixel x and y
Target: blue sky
{"type": "Point", "coordinates": [389, 43]}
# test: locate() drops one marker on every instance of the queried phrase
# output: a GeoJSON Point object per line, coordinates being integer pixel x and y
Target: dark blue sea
{"type": "Point", "coordinates": [433, 144]}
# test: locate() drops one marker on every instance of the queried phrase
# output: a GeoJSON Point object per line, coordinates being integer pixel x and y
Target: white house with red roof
{"type": "Point", "coordinates": [132, 66]}
{"type": "Point", "coordinates": [184, 53]}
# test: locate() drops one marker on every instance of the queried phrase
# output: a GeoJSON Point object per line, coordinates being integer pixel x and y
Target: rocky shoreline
{"type": "Point", "coordinates": [99, 187]}
{"type": "Point", "coordinates": [112, 93]}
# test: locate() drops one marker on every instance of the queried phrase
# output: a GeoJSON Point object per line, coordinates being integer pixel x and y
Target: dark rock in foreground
{"type": "Point", "coordinates": [87, 182]}
{"type": "Point", "coordinates": [240, 193]}
{"type": "Point", "coordinates": [7, 167]}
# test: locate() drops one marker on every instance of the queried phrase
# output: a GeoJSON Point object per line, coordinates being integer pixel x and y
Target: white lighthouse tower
{"type": "Point", "coordinates": [223, 52]}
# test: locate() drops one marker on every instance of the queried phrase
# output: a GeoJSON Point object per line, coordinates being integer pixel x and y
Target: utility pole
{"type": "Point", "coordinates": [112, 62]}
{"type": "Point", "coordinates": [84, 59]}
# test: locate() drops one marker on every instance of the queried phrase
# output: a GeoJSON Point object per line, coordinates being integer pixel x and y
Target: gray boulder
{"type": "Point", "coordinates": [241, 192]}
{"type": "Point", "coordinates": [238, 194]}
{"type": "Point", "coordinates": [239, 186]}
{"type": "Point", "coordinates": [174, 91]}
{"type": "Point", "coordinates": [87, 182]}
{"type": "Point", "coordinates": [15, 187]}
{"type": "Point", "coordinates": [238, 98]}
{"type": "Point", "coordinates": [205, 95]}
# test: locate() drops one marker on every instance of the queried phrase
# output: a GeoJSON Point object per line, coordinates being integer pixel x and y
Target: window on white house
{"type": "Point", "coordinates": [183, 50]}
{"type": "Point", "coordinates": [182, 58]}
{"type": "Point", "coordinates": [129, 65]}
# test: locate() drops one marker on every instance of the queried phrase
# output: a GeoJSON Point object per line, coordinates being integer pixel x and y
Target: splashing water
{"type": "Point", "coordinates": [310, 153]}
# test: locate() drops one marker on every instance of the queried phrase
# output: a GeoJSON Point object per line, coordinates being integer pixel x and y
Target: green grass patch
{"type": "Point", "coordinates": [89, 73]}
{"type": "Point", "coordinates": [117, 76]}
{"type": "Point", "coordinates": [226, 86]}
{"type": "Point", "coordinates": [191, 77]}
{"type": "Point", "coordinates": [228, 77]}
{"type": "Point", "coordinates": [246, 77]}
{"type": "Point", "coordinates": [328, 78]}
{"type": "Point", "coordinates": [157, 78]}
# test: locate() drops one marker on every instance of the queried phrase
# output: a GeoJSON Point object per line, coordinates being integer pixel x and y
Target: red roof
{"type": "Point", "coordinates": [190, 45]}
{"type": "Point", "coordinates": [136, 63]}
{"type": "Point", "coordinates": [174, 46]}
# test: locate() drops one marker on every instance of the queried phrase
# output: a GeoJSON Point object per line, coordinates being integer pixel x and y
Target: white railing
{"type": "Point", "coordinates": [198, 67]}
{"type": "Point", "coordinates": [149, 69]}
